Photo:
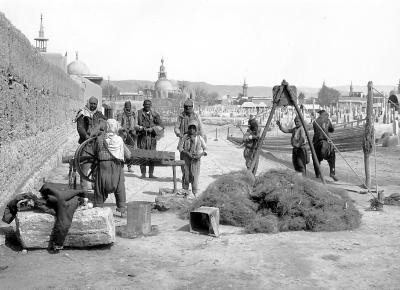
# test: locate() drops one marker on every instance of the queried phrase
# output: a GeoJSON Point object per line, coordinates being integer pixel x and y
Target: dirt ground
{"type": "Point", "coordinates": [366, 258]}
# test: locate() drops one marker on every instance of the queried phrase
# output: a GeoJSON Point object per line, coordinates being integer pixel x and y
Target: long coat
{"type": "Point", "coordinates": [147, 140]}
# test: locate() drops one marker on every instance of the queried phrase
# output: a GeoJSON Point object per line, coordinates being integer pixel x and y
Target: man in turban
{"type": "Point", "coordinates": [89, 123]}
{"type": "Point", "coordinates": [128, 123]}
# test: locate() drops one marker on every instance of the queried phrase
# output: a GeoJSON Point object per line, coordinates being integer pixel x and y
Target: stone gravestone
{"type": "Point", "coordinates": [90, 227]}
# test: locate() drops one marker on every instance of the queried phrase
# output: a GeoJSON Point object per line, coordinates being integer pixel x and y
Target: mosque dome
{"type": "Point", "coordinates": [163, 85]}
{"type": "Point", "coordinates": [78, 67]}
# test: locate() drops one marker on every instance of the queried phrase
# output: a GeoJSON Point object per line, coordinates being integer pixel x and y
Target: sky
{"type": "Point", "coordinates": [305, 42]}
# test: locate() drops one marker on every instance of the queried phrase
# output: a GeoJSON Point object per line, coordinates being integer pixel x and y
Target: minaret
{"type": "Point", "coordinates": [351, 89]}
{"type": "Point", "coordinates": [41, 41]}
{"type": "Point", "coordinates": [162, 74]}
{"type": "Point", "coordinates": [245, 86]}
{"type": "Point", "coordinates": [398, 88]}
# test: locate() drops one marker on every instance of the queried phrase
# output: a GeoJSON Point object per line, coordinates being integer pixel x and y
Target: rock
{"type": "Point", "coordinates": [164, 203]}
{"type": "Point", "coordinates": [165, 191]}
{"type": "Point", "coordinates": [89, 227]}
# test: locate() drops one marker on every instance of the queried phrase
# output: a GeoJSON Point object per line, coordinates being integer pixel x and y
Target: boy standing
{"type": "Point", "coordinates": [192, 147]}
{"type": "Point", "coordinates": [250, 140]}
{"type": "Point", "coordinates": [298, 140]}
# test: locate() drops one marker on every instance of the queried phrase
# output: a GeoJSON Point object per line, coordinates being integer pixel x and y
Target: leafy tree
{"type": "Point", "coordinates": [328, 96]}
{"type": "Point", "coordinates": [202, 95]}
{"type": "Point", "coordinates": [109, 90]}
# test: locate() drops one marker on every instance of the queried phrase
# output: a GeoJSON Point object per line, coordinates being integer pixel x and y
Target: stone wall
{"type": "Point", "coordinates": [38, 102]}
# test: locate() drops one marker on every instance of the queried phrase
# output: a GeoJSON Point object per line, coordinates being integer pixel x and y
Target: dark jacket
{"type": "Point", "coordinates": [326, 126]}
{"type": "Point", "coordinates": [148, 120]}
{"type": "Point", "coordinates": [88, 127]}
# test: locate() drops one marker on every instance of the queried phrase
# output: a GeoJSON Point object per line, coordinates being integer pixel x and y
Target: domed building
{"type": "Point", "coordinates": [163, 87]}
{"type": "Point", "coordinates": [89, 83]}
{"type": "Point", "coordinates": [78, 68]}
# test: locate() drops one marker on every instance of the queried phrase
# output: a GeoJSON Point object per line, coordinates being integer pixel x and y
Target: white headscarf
{"type": "Point", "coordinates": [115, 144]}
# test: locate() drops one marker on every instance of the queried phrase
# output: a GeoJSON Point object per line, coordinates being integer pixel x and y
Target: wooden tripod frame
{"type": "Point", "coordinates": [284, 96]}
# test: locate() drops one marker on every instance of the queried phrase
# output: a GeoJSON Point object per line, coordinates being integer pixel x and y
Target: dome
{"type": "Point", "coordinates": [163, 85]}
{"type": "Point", "coordinates": [78, 67]}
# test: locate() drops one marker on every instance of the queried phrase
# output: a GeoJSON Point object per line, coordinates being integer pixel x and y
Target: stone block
{"type": "Point", "coordinates": [170, 202]}
{"type": "Point", "coordinates": [89, 227]}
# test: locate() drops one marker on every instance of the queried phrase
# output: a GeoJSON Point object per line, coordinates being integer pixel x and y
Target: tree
{"type": "Point", "coordinates": [301, 98]}
{"type": "Point", "coordinates": [328, 96]}
{"type": "Point", "coordinates": [109, 90]}
{"type": "Point", "coordinates": [202, 95]}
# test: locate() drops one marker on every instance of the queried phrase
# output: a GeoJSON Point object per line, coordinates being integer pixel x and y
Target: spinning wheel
{"type": "Point", "coordinates": [86, 161]}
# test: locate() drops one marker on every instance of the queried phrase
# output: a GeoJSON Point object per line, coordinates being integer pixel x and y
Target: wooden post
{"type": "Point", "coordinates": [216, 134]}
{"type": "Point", "coordinates": [227, 134]}
{"type": "Point", "coordinates": [174, 178]}
{"type": "Point", "coordinates": [368, 136]}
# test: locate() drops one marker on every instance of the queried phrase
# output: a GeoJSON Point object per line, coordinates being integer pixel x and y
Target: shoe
{"type": "Point", "coordinates": [333, 177]}
{"type": "Point", "coordinates": [143, 176]}
{"type": "Point", "coordinates": [152, 176]}
{"type": "Point", "coordinates": [130, 169]}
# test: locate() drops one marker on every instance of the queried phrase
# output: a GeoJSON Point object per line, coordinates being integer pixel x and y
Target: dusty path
{"type": "Point", "coordinates": [366, 258]}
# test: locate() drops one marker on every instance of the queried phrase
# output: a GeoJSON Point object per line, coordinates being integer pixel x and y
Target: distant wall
{"type": "Point", "coordinates": [36, 109]}
{"type": "Point", "coordinates": [89, 89]}
{"type": "Point", "coordinates": [56, 59]}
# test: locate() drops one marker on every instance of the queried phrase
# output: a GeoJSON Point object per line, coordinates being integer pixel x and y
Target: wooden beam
{"type": "Point", "coordinates": [368, 135]}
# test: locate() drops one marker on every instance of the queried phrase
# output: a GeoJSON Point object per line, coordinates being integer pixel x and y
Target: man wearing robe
{"type": "Point", "coordinates": [111, 152]}
{"type": "Point", "coordinates": [128, 123]}
{"type": "Point", "coordinates": [148, 124]}
{"type": "Point", "coordinates": [89, 123]}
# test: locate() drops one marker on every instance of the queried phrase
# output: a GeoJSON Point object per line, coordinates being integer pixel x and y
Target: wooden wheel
{"type": "Point", "coordinates": [86, 161]}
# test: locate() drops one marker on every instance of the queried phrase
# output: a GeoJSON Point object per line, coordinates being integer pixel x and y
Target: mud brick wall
{"type": "Point", "coordinates": [36, 109]}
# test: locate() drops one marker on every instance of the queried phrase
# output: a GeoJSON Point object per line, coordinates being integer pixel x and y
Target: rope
{"type": "Point", "coordinates": [341, 155]}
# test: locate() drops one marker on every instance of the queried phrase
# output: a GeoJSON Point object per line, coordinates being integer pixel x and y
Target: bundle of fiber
{"type": "Point", "coordinates": [231, 194]}
{"type": "Point", "coordinates": [302, 204]}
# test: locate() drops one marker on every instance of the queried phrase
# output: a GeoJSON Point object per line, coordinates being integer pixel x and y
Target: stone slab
{"type": "Point", "coordinates": [90, 227]}
{"type": "Point", "coordinates": [171, 202]}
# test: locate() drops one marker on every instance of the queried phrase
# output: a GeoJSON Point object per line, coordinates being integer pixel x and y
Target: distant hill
{"type": "Point", "coordinates": [134, 85]}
